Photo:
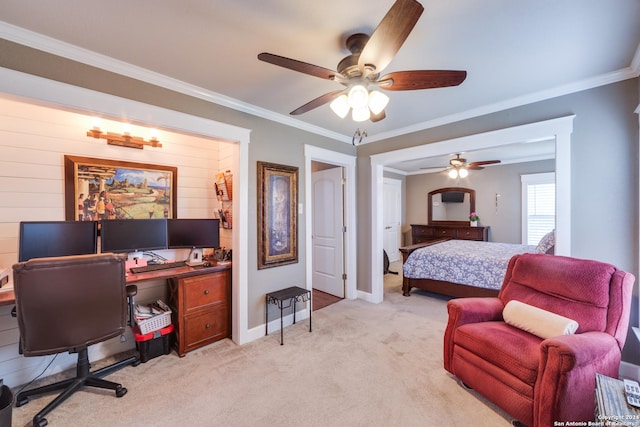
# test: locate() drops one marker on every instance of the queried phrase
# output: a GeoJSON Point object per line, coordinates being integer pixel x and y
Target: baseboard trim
{"type": "Point", "coordinates": [368, 297]}
{"type": "Point", "coordinates": [274, 324]}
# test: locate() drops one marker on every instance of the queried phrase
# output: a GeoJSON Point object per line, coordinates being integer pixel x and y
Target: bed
{"type": "Point", "coordinates": [460, 268]}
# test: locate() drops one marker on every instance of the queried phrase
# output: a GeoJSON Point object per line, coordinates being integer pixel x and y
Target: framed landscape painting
{"type": "Point", "coordinates": [97, 189]}
{"type": "Point", "coordinates": [277, 215]}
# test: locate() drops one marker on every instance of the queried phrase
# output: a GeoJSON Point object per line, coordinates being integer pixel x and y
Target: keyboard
{"type": "Point", "coordinates": [156, 267]}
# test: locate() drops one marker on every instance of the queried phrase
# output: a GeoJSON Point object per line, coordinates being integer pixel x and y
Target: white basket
{"type": "Point", "coordinates": [154, 323]}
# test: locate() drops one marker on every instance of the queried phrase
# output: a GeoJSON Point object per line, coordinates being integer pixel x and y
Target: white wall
{"type": "Point", "coordinates": [33, 142]}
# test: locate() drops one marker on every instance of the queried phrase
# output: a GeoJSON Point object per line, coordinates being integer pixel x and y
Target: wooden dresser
{"type": "Point", "coordinates": [201, 306]}
{"type": "Point", "coordinates": [425, 233]}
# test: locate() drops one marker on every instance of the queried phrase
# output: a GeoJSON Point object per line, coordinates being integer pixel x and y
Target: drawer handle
{"type": "Point", "coordinates": [207, 326]}
{"type": "Point", "coordinates": [468, 233]}
{"type": "Point", "coordinates": [206, 292]}
{"type": "Point", "coordinates": [443, 231]}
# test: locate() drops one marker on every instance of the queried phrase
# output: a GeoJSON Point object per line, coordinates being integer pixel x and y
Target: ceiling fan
{"type": "Point", "coordinates": [458, 166]}
{"type": "Point", "coordinates": [361, 70]}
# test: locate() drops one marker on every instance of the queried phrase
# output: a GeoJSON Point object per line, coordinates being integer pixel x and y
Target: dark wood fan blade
{"type": "Point", "coordinates": [295, 65]}
{"type": "Point", "coordinates": [390, 34]}
{"type": "Point", "coordinates": [486, 162]}
{"type": "Point", "coordinates": [321, 100]}
{"type": "Point", "coordinates": [421, 79]}
{"type": "Point", "coordinates": [377, 117]}
{"type": "Point", "coordinates": [474, 168]}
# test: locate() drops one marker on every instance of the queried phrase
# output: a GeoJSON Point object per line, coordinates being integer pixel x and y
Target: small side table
{"type": "Point", "coordinates": [611, 404]}
{"type": "Point", "coordinates": [284, 298]}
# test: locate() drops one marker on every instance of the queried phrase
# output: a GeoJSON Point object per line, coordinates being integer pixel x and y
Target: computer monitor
{"type": "Point", "coordinates": [193, 233]}
{"type": "Point", "coordinates": [132, 235]}
{"type": "Point", "coordinates": [40, 239]}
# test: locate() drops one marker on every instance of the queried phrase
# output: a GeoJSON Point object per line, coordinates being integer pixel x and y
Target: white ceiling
{"type": "Point", "coordinates": [515, 52]}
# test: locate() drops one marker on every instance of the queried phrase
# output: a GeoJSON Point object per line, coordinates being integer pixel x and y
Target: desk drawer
{"type": "Point", "coordinates": [206, 326]}
{"type": "Point", "coordinates": [204, 290]}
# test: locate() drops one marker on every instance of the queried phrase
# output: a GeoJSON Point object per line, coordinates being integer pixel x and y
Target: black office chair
{"type": "Point", "coordinates": [67, 304]}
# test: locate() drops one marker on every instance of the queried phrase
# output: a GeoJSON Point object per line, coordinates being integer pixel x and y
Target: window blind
{"type": "Point", "coordinates": [541, 210]}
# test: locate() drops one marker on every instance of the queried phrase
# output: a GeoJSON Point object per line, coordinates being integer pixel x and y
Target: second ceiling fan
{"type": "Point", "coordinates": [458, 167]}
{"type": "Point", "coordinates": [360, 71]}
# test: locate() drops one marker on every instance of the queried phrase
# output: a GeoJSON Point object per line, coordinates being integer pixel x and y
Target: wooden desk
{"type": "Point", "coordinates": [200, 301]}
{"type": "Point", "coordinates": [8, 297]}
{"type": "Point", "coordinates": [174, 273]}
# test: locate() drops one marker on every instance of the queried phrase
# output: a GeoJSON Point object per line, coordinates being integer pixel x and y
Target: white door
{"type": "Point", "coordinates": [391, 217]}
{"type": "Point", "coordinates": [327, 233]}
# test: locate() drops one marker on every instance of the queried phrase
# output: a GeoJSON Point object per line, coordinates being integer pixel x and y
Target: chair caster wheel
{"type": "Point", "coordinates": [121, 391]}
{"type": "Point", "coordinates": [40, 422]}
{"type": "Point", "coordinates": [22, 401]}
{"type": "Point", "coordinates": [516, 423]}
{"type": "Point", "coordinates": [136, 363]}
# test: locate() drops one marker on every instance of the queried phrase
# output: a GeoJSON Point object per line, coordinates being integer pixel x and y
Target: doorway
{"type": "Point", "coordinates": [558, 129]}
{"type": "Point", "coordinates": [392, 217]}
{"type": "Point", "coordinates": [348, 165]}
{"type": "Point", "coordinates": [327, 234]}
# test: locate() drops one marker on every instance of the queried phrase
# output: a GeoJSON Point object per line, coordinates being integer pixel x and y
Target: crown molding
{"type": "Point", "coordinates": [56, 47]}
{"type": "Point", "coordinates": [66, 50]}
{"type": "Point", "coordinates": [604, 79]}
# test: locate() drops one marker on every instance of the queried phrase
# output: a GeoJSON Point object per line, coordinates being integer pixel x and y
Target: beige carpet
{"type": "Point", "coordinates": [363, 365]}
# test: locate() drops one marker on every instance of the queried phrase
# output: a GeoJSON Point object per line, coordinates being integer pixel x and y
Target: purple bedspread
{"type": "Point", "coordinates": [467, 262]}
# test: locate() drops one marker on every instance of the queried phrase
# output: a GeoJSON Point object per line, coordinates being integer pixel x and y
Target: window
{"type": "Point", "coordinates": [538, 206]}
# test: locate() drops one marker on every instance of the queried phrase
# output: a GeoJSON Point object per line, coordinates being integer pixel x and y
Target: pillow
{"type": "Point", "coordinates": [537, 321]}
{"type": "Point", "coordinates": [547, 243]}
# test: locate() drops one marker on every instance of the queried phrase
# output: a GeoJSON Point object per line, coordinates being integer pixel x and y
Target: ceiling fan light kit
{"type": "Point", "coordinates": [340, 106]}
{"type": "Point", "coordinates": [369, 56]}
{"type": "Point", "coordinates": [458, 167]}
{"type": "Point", "coordinates": [360, 114]}
{"type": "Point", "coordinates": [461, 172]}
{"type": "Point", "coordinates": [360, 100]}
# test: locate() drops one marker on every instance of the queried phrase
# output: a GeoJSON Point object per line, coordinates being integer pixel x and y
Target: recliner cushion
{"type": "Point", "coordinates": [566, 286]}
{"type": "Point", "coordinates": [537, 321]}
{"type": "Point", "coordinates": [506, 347]}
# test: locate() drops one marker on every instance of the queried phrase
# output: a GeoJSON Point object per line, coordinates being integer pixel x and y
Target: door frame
{"type": "Point", "coordinates": [559, 130]}
{"type": "Point", "coordinates": [313, 153]}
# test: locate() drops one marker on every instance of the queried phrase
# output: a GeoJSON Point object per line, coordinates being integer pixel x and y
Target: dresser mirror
{"type": "Point", "coordinates": [451, 206]}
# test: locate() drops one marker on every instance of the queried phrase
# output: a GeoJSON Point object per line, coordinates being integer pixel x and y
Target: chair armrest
{"type": "Point", "coordinates": [566, 376]}
{"type": "Point", "coordinates": [468, 310]}
{"type": "Point", "coordinates": [474, 310]}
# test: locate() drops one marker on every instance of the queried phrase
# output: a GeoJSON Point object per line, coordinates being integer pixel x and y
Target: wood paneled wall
{"type": "Point", "coordinates": [33, 142]}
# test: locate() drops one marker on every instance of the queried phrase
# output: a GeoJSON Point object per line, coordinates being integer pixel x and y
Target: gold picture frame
{"type": "Point", "coordinates": [98, 189]}
{"type": "Point", "coordinates": [277, 215]}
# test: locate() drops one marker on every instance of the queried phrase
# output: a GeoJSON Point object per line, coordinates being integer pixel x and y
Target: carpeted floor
{"type": "Point", "coordinates": [363, 365]}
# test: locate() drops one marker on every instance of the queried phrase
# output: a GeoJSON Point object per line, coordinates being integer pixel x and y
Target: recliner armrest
{"type": "Point", "coordinates": [468, 310]}
{"type": "Point", "coordinates": [578, 350]}
{"type": "Point", "coordinates": [566, 376]}
{"type": "Point", "coordinates": [474, 310]}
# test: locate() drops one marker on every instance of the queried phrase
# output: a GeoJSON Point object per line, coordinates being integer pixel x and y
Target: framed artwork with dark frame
{"type": "Point", "coordinates": [277, 215]}
{"type": "Point", "coordinates": [98, 189]}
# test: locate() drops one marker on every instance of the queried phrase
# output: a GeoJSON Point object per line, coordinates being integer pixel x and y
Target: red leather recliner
{"type": "Point", "coordinates": [539, 381]}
